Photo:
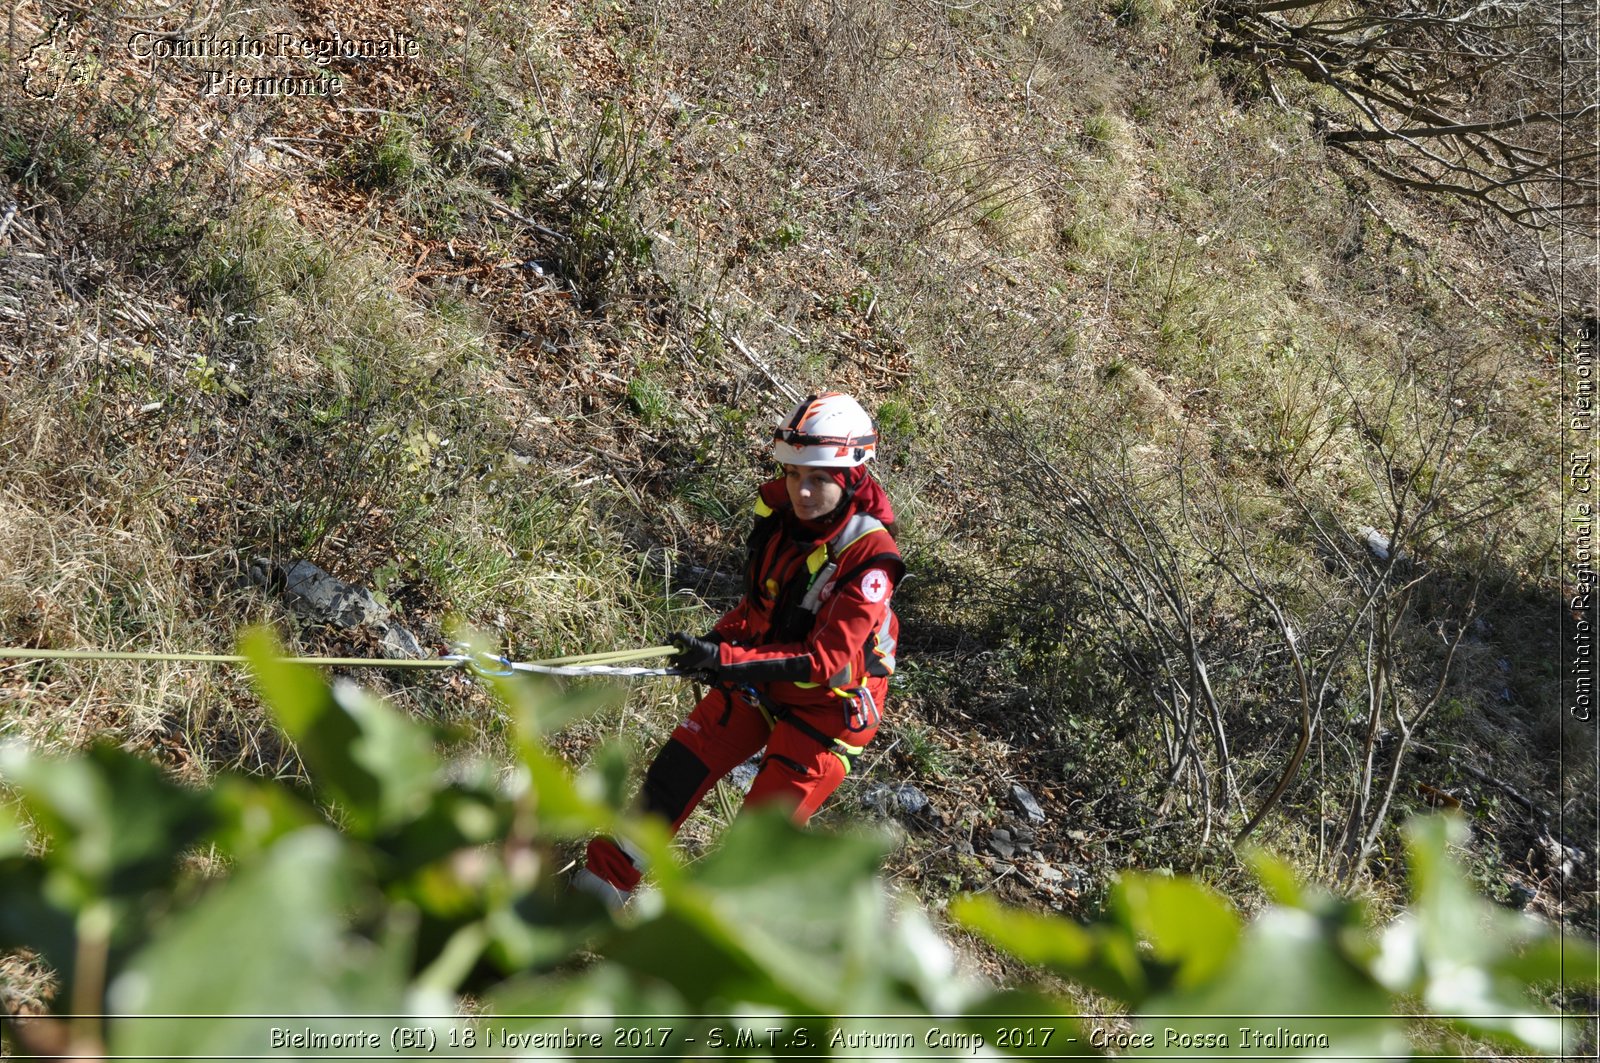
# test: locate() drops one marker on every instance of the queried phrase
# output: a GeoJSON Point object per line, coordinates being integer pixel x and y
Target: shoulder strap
{"type": "Point", "coordinates": [768, 519]}
{"type": "Point", "coordinates": [887, 556]}
{"type": "Point", "coordinates": [855, 529]}
{"type": "Point", "coordinates": [858, 526]}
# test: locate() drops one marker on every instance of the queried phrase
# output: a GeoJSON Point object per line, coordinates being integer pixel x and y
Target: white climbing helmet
{"type": "Point", "coordinates": [829, 430]}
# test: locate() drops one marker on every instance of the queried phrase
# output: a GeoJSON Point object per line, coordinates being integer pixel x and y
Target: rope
{"type": "Point", "coordinates": [613, 656]}
{"type": "Point", "coordinates": [216, 658]}
{"type": "Point", "coordinates": [592, 669]}
{"type": "Point", "coordinates": [580, 664]}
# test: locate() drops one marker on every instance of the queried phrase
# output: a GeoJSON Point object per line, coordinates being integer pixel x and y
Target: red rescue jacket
{"type": "Point", "coordinates": [815, 624]}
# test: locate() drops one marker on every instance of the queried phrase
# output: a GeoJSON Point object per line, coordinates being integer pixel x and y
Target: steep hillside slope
{"type": "Point", "coordinates": [498, 330]}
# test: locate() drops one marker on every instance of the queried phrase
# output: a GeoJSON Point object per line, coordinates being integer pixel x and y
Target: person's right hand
{"type": "Point", "coordinates": [695, 655]}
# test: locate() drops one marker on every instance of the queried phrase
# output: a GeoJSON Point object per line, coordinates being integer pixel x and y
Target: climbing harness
{"type": "Point", "coordinates": [774, 712]}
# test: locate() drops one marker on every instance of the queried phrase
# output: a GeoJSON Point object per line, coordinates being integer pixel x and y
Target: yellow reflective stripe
{"type": "Point", "coordinates": [845, 761]}
{"type": "Point", "coordinates": [854, 751]}
{"type": "Point", "coordinates": [818, 558]}
{"type": "Point", "coordinates": [762, 509]}
{"type": "Point", "coordinates": [838, 692]}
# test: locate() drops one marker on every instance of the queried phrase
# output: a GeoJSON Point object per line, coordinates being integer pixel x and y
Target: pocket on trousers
{"type": "Point", "coordinates": [793, 765]}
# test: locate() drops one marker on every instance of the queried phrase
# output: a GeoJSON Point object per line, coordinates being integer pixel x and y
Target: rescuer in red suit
{"type": "Point", "coordinates": [800, 666]}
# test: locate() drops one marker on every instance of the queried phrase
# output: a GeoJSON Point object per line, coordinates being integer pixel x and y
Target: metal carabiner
{"type": "Point", "coordinates": [869, 718]}
{"type": "Point", "coordinates": [481, 663]}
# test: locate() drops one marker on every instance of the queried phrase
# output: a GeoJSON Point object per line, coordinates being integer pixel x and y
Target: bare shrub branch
{"type": "Point", "coordinates": [1461, 98]}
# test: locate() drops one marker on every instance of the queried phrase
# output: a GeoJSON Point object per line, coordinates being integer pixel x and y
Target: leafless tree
{"type": "Point", "coordinates": [1415, 452]}
{"type": "Point", "coordinates": [1175, 581]}
{"type": "Point", "coordinates": [1489, 101]}
{"type": "Point", "coordinates": [1090, 523]}
{"type": "Point", "coordinates": [1410, 615]}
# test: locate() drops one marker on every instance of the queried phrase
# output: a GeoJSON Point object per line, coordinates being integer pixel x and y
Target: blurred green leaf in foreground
{"type": "Point", "coordinates": [403, 879]}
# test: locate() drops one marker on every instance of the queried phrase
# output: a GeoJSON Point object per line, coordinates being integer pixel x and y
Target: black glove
{"type": "Point", "coordinates": [697, 656]}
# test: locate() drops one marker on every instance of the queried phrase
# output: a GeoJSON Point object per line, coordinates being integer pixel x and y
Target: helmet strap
{"type": "Point", "coordinates": [850, 479]}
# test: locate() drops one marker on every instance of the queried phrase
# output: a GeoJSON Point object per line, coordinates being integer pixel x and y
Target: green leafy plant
{"type": "Point", "coordinates": [1308, 974]}
{"type": "Point", "coordinates": [785, 235]}
{"type": "Point", "coordinates": [1100, 130]}
{"type": "Point", "coordinates": [862, 298]}
{"type": "Point", "coordinates": [399, 875]}
{"type": "Point", "coordinates": [896, 420]}
{"type": "Point", "coordinates": [395, 876]}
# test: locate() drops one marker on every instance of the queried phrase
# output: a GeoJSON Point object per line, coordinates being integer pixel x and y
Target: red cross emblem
{"type": "Point", "coordinates": [874, 585]}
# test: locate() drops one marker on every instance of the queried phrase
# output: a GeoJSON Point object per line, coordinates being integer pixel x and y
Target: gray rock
{"type": "Point", "coordinates": [398, 643]}
{"type": "Point", "coordinates": [912, 800]}
{"type": "Point", "coordinates": [317, 596]}
{"type": "Point", "coordinates": [1048, 874]}
{"type": "Point", "coordinates": [1564, 859]}
{"type": "Point", "coordinates": [1380, 548]}
{"type": "Point", "coordinates": [1378, 544]}
{"type": "Point", "coordinates": [895, 833]}
{"type": "Point", "coordinates": [1000, 844]}
{"type": "Point", "coordinates": [1026, 803]}
{"type": "Point", "coordinates": [895, 799]}
{"type": "Point", "coordinates": [744, 775]}
{"type": "Point", "coordinates": [1521, 896]}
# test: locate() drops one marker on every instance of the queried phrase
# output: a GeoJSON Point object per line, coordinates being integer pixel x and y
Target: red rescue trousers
{"type": "Point", "coordinates": [724, 731]}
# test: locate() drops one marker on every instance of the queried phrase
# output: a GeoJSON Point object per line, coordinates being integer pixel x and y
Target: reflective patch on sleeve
{"type": "Point", "coordinates": [874, 585]}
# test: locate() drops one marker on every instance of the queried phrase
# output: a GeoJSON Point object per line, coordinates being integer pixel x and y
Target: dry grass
{"type": "Point", "coordinates": [944, 209]}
